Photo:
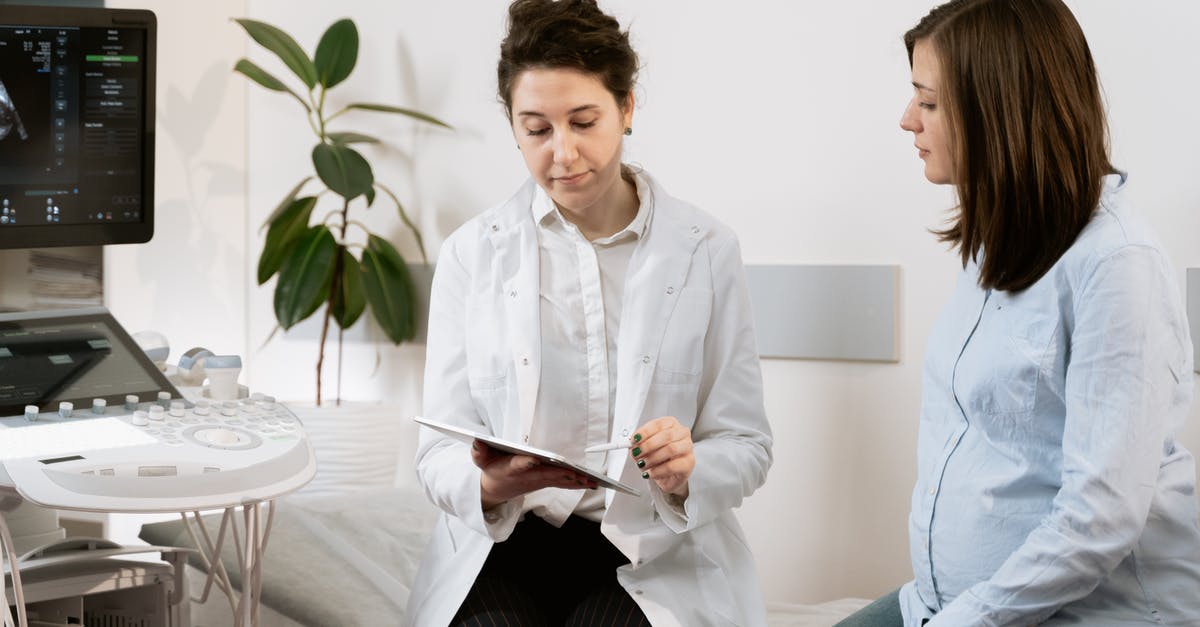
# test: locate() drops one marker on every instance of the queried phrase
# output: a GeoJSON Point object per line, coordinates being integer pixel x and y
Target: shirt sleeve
{"type": "Point", "coordinates": [1125, 383]}
{"type": "Point", "coordinates": [732, 436]}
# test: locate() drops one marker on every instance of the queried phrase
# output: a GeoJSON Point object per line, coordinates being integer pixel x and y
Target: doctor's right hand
{"type": "Point", "coordinates": [507, 476]}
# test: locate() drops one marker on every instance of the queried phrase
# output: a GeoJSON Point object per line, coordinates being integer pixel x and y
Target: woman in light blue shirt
{"type": "Point", "coordinates": [1050, 486]}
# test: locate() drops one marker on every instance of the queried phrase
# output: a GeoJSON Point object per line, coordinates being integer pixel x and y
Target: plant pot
{"type": "Point", "coordinates": [359, 446]}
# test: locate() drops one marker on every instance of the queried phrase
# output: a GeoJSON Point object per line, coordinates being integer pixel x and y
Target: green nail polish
{"type": "Point", "coordinates": [637, 451]}
{"type": "Point", "coordinates": [645, 475]}
{"type": "Point", "coordinates": [641, 463]}
{"type": "Point", "coordinates": [637, 437]}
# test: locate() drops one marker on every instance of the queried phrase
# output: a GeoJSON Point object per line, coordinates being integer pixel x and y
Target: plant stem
{"type": "Point", "coordinates": [335, 287]}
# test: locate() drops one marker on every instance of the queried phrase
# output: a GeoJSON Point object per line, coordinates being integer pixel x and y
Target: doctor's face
{"type": "Point", "coordinates": [569, 129]}
{"type": "Point", "coordinates": [925, 119]}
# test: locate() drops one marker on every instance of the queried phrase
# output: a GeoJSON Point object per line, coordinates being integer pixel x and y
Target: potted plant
{"type": "Point", "coordinates": [315, 259]}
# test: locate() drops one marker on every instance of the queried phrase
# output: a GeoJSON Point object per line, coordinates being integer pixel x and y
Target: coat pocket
{"type": "Point", "coordinates": [487, 353]}
{"type": "Point", "coordinates": [681, 356]}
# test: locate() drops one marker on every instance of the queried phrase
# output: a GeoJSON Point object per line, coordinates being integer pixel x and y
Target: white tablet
{"type": "Point", "coordinates": [542, 455]}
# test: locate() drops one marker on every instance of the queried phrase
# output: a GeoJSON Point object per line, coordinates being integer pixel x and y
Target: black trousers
{"type": "Point", "coordinates": [543, 576]}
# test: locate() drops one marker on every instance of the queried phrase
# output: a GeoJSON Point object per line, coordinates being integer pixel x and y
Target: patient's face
{"type": "Point", "coordinates": [569, 129]}
{"type": "Point", "coordinates": [925, 119]}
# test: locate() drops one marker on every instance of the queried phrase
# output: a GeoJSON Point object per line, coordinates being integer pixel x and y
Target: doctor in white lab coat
{"type": "Point", "coordinates": [592, 306]}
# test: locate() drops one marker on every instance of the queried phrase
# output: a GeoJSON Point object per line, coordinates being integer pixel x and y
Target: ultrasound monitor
{"type": "Point", "coordinates": [76, 126]}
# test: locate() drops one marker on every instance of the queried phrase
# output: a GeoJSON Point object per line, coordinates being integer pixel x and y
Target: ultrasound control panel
{"type": "Point", "coordinates": [144, 451]}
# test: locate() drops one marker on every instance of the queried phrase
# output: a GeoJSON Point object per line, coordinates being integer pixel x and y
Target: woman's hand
{"type": "Point", "coordinates": [663, 450]}
{"type": "Point", "coordinates": [507, 476]}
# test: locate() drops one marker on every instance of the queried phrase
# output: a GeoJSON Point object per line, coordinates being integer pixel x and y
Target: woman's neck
{"type": "Point", "coordinates": [612, 212]}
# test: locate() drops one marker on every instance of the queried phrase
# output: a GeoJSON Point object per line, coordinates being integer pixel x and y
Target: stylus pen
{"type": "Point", "coordinates": [611, 446]}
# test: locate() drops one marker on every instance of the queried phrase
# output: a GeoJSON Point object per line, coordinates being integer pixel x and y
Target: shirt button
{"type": "Point", "coordinates": [625, 433]}
{"type": "Point", "coordinates": [527, 438]}
{"type": "Point", "coordinates": [495, 228]}
{"type": "Point", "coordinates": [670, 290]}
{"type": "Point", "coordinates": [524, 361]}
{"type": "Point", "coordinates": [932, 491]}
{"type": "Point", "coordinates": [637, 592]}
{"type": "Point", "coordinates": [695, 230]}
{"type": "Point", "coordinates": [513, 294]}
{"type": "Point", "coordinates": [645, 359]}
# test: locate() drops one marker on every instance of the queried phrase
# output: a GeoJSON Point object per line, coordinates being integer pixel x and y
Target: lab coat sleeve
{"type": "Point", "coordinates": [1127, 377]}
{"type": "Point", "coordinates": [444, 465]}
{"type": "Point", "coordinates": [732, 439]}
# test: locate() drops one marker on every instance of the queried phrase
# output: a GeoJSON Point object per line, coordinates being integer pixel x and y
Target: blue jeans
{"type": "Point", "coordinates": [883, 612]}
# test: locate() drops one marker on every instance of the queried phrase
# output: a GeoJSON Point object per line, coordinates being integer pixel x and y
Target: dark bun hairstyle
{"type": "Point", "coordinates": [572, 34]}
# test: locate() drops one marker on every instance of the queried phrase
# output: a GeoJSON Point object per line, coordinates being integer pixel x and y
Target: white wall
{"type": "Point", "coordinates": [779, 117]}
{"type": "Point", "coordinates": [188, 282]}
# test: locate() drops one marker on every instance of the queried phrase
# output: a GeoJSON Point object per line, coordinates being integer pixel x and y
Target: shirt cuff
{"type": "Point", "coordinates": [672, 509]}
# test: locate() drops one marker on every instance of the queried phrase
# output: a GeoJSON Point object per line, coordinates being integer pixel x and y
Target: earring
{"type": "Point", "coordinates": [628, 131]}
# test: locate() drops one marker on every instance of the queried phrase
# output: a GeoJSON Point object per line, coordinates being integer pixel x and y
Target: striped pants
{"type": "Point", "coordinates": [543, 576]}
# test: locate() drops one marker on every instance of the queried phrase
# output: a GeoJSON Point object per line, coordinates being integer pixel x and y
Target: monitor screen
{"type": "Point", "coordinates": [76, 126]}
{"type": "Point", "coordinates": [76, 356]}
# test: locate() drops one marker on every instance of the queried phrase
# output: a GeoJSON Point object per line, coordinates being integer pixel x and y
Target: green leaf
{"type": "Point", "coordinates": [285, 203]}
{"type": "Point", "coordinates": [352, 138]}
{"type": "Point", "coordinates": [259, 75]}
{"type": "Point", "coordinates": [389, 289]}
{"type": "Point", "coordinates": [370, 193]}
{"type": "Point", "coordinates": [266, 79]}
{"type": "Point", "coordinates": [365, 106]}
{"type": "Point", "coordinates": [337, 53]}
{"type": "Point", "coordinates": [341, 168]}
{"type": "Point", "coordinates": [285, 231]}
{"type": "Point", "coordinates": [305, 275]}
{"type": "Point", "coordinates": [284, 47]}
{"type": "Point", "coordinates": [351, 301]}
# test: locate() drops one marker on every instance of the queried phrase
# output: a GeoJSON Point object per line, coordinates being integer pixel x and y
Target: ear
{"type": "Point", "coordinates": [627, 112]}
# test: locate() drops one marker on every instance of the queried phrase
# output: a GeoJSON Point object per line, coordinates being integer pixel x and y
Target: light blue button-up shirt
{"type": "Point", "coordinates": [1050, 487]}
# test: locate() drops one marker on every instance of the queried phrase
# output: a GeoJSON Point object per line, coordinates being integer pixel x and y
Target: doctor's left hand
{"type": "Point", "coordinates": [663, 450]}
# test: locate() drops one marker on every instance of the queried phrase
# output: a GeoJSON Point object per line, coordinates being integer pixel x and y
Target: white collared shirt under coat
{"type": "Point", "coordinates": [686, 349]}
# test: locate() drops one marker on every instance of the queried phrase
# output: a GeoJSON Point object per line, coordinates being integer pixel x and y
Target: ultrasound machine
{"type": "Point", "coordinates": [90, 419]}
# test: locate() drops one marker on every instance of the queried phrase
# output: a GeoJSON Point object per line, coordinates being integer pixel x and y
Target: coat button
{"type": "Point", "coordinates": [645, 359]}
{"type": "Point", "coordinates": [670, 290]}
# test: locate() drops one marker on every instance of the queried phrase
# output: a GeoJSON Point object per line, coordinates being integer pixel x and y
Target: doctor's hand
{"type": "Point", "coordinates": [663, 450]}
{"type": "Point", "coordinates": [507, 476]}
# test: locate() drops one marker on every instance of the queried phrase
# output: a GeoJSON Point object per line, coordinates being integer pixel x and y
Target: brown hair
{"type": "Point", "coordinates": [573, 34]}
{"type": "Point", "coordinates": [1027, 130]}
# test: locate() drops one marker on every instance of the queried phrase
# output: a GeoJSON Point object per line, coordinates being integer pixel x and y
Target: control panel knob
{"type": "Point", "coordinates": [99, 405]}
{"type": "Point", "coordinates": [31, 413]}
{"type": "Point", "coordinates": [131, 402]}
{"type": "Point", "coordinates": [223, 437]}
{"type": "Point", "coordinates": [157, 412]}
{"type": "Point", "coordinates": [140, 418]}
{"type": "Point", "coordinates": [65, 408]}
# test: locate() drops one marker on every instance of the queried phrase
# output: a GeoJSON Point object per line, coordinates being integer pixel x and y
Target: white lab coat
{"type": "Point", "coordinates": [686, 349]}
